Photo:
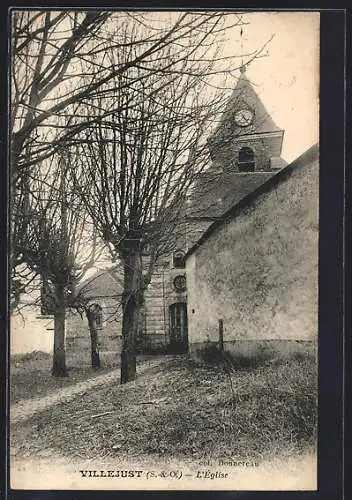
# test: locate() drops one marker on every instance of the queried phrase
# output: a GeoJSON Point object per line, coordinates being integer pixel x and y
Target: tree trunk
{"type": "Point", "coordinates": [59, 355]}
{"type": "Point", "coordinates": [128, 352]}
{"type": "Point", "coordinates": [130, 302]}
{"type": "Point", "coordinates": [93, 339]}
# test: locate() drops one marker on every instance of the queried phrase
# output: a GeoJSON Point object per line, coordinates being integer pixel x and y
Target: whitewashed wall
{"type": "Point", "coordinates": [27, 333]}
{"type": "Point", "coordinates": [259, 271]}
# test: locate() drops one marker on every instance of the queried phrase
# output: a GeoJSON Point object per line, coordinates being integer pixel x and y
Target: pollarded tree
{"type": "Point", "coordinates": [87, 302]}
{"type": "Point", "coordinates": [134, 169]}
{"type": "Point", "coordinates": [59, 63]}
{"type": "Point", "coordinates": [60, 246]}
{"type": "Point", "coordinates": [127, 98]}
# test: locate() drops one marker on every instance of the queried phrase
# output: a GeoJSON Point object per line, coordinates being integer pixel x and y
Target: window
{"type": "Point", "coordinates": [246, 161]}
{"type": "Point", "coordinates": [179, 259]}
{"type": "Point", "coordinates": [180, 283]}
{"type": "Point", "coordinates": [47, 301]}
{"type": "Point", "coordinates": [98, 315]}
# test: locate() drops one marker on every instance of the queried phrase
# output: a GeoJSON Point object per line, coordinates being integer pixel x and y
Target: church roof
{"type": "Point", "coordinates": [244, 96]}
{"type": "Point", "coordinates": [104, 283]}
{"type": "Point", "coordinates": [215, 192]}
{"type": "Point", "coordinates": [308, 157]}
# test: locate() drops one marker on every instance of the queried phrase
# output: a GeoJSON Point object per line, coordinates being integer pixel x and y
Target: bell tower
{"type": "Point", "coordinates": [245, 151]}
{"type": "Point", "coordinates": [246, 138]}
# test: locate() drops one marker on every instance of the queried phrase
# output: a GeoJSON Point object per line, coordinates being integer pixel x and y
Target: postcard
{"type": "Point", "coordinates": [164, 208]}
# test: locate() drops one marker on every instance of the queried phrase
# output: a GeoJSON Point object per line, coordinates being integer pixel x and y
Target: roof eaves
{"type": "Point", "coordinates": [280, 176]}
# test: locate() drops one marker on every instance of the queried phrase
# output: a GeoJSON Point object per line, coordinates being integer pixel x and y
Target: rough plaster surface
{"type": "Point", "coordinates": [258, 271]}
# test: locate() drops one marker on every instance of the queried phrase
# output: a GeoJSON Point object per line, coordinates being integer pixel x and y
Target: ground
{"type": "Point", "coordinates": [29, 373]}
{"type": "Point", "coordinates": [178, 410]}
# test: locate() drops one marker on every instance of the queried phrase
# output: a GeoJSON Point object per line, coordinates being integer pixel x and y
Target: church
{"type": "Point", "coordinates": [246, 255]}
{"type": "Point", "coordinates": [244, 152]}
{"type": "Point", "coordinates": [252, 277]}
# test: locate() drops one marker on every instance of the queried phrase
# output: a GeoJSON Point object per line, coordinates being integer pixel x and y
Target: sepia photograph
{"type": "Point", "coordinates": [164, 231]}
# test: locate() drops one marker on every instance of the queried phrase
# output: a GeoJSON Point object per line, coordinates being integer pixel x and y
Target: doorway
{"type": "Point", "coordinates": [178, 328]}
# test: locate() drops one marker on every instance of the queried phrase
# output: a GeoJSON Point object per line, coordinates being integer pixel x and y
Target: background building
{"type": "Point", "coordinates": [103, 289]}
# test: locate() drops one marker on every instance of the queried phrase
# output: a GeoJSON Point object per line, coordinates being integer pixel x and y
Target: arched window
{"type": "Point", "coordinates": [179, 259]}
{"type": "Point", "coordinates": [98, 315]}
{"type": "Point", "coordinates": [246, 161]}
{"type": "Point", "coordinates": [47, 305]}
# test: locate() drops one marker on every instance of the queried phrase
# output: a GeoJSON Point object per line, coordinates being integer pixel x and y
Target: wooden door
{"type": "Point", "coordinates": [178, 327]}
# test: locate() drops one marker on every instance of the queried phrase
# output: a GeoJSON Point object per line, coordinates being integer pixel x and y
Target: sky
{"type": "Point", "coordinates": [287, 79]}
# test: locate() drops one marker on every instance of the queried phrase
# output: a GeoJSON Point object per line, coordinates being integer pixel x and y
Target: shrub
{"type": "Point", "coordinates": [211, 354]}
{"type": "Point", "coordinates": [301, 356]}
{"type": "Point", "coordinates": [30, 356]}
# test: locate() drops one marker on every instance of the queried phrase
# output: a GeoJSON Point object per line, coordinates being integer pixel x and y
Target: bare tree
{"type": "Point", "coordinates": [132, 97]}
{"type": "Point", "coordinates": [136, 167]}
{"type": "Point", "coordinates": [59, 63]}
{"type": "Point", "coordinates": [59, 60]}
{"type": "Point", "coordinates": [92, 313]}
{"type": "Point", "coordinates": [60, 245]}
{"type": "Point", "coordinates": [87, 302]}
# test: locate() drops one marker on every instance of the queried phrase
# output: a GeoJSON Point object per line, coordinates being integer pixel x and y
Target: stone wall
{"type": "Point", "coordinates": [159, 296]}
{"type": "Point", "coordinates": [258, 271]}
{"type": "Point", "coordinates": [77, 329]}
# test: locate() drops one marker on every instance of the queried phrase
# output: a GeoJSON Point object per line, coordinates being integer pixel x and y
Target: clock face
{"type": "Point", "coordinates": [244, 117]}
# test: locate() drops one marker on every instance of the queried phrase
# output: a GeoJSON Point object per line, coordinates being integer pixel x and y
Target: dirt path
{"type": "Point", "coordinates": [26, 409]}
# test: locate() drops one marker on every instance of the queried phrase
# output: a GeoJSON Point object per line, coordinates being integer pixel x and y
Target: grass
{"type": "Point", "coordinates": [30, 374]}
{"type": "Point", "coordinates": [187, 410]}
